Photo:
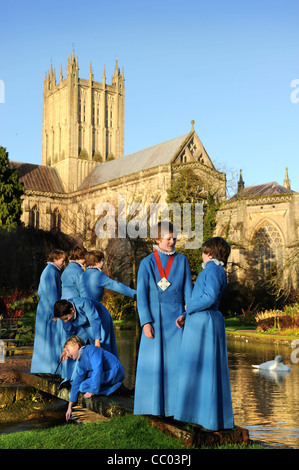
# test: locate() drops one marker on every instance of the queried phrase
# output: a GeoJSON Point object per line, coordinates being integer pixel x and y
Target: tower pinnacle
{"type": "Point", "coordinates": [241, 183]}
{"type": "Point", "coordinates": [287, 181]}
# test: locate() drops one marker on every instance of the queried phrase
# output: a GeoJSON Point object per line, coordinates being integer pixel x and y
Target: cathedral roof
{"type": "Point", "coordinates": [266, 189]}
{"type": "Point", "coordinates": [39, 177]}
{"type": "Point", "coordinates": [160, 154]}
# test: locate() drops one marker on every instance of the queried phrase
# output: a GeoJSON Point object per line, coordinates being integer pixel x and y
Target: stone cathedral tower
{"type": "Point", "coordinates": [83, 122]}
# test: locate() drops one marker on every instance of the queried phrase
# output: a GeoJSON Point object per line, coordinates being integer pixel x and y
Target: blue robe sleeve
{"type": "Point", "coordinates": [188, 286]}
{"type": "Point", "coordinates": [68, 327]}
{"type": "Point", "coordinates": [143, 286]}
{"type": "Point", "coordinates": [207, 290]}
{"type": "Point", "coordinates": [116, 286]}
{"type": "Point", "coordinates": [93, 318]}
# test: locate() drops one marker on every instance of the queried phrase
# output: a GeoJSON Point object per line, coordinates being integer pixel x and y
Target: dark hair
{"type": "Point", "coordinates": [93, 257]}
{"type": "Point", "coordinates": [78, 252]}
{"type": "Point", "coordinates": [164, 226]}
{"type": "Point", "coordinates": [62, 307]}
{"type": "Point", "coordinates": [56, 254]}
{"type": "Point", "coordinates": [218, 248]}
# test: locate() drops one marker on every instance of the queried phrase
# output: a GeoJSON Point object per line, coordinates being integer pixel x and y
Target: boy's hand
{"type": "Point", "coordinates": [149, 330]}
{"type": "Point", "coordinates": [69, 411]}
{"type": "Point", "coordinates": [180, 321]}
{"type": "Point", "coordinates": [63, 356]}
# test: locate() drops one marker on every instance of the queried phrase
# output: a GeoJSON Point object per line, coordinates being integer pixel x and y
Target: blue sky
{"type": "Point", "coordinates": [228, 65]}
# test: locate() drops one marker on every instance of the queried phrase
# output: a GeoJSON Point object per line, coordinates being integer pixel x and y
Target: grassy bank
{"type": "Point", "coordinates": [126, 432]}
{"type": "Point", "coordinates": [234, 326]}
{"type": "Point", "coordinates": [129, 432]}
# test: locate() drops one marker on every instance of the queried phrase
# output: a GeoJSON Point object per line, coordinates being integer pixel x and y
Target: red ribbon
{"type": "Point", "coordinates": [159, 264]}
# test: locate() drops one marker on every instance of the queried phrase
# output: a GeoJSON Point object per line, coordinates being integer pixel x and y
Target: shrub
{"type": "Point", "coordinates": [25, 327]}
{"type": "Point", "coordinates": [20, 319]}
{"type": "Point", "coordinates": [244, 298]}
{"type": "Point", "coordinates": [14, 302]}
{"type": "Point", "coordinates": [119, 306]}
{"type": "Point", "coordinates": [277, 319]}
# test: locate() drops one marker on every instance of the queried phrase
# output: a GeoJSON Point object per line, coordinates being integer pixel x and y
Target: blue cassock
{"type": "Point", "coordinates": [158, 358]}
{"type": "Point", "coordinates": [93, 282]}
{"type": "Point", "coordinates": [97, 371]}
{"type": "Point", "coordinates": [204, 395]}
{"type": "Point", "coordinates": [70, 279]}
{"type": "Point", "coordinates": [49, 336]}
{"type": "Point", "coordinates": [92, 321]}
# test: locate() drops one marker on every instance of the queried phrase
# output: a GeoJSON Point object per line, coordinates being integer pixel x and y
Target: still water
{"type": "Point", "coordinates": [266, 405]}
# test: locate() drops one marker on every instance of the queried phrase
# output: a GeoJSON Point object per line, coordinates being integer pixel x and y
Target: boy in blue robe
{"type": "Point", "coordinates": [162, 293]}
{"type": "Point", "coordinates": [48, 336]}
{"type": "Point", "coordinates": [93, 281]}
{"type": "Point", "coordinates": [98, 372]}
{"type": "Point", "coordinates": [204, 395]}
{"type": "Point", "coordinates": [88, 319]}
{"type": "Point", "coordinates": [70, 277]}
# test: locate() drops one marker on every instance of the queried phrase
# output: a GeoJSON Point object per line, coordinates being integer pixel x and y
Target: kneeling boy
{"type": "Point", "coordinates": [97, 372]}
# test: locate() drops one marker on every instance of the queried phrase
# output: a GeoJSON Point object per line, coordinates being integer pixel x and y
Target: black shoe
{"type": "Point", "coordinates": [65, 384]}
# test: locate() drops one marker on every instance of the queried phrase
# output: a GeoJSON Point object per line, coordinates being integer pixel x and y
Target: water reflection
{"type": "Point", "coordinates": [266, 404]}
{"type": "Point", "coordinates": [127, 346]}
{"type": "Point", "coordinates": [277, 377]}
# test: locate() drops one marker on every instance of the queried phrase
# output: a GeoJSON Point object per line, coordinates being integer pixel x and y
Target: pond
{"type": "Point", "coordinates": [267, 406]}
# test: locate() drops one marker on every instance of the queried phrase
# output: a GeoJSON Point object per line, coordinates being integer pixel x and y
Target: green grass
{"type": "Point", "coordinates": [127, 432]}
{"type": "Point", "coordinates": [233, 324]}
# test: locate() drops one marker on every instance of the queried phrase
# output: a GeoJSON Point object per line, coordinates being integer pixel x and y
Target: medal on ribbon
{"type": "Point", "coordinates": [163, 283]}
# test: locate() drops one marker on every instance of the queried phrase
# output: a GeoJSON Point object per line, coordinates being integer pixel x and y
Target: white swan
{"type": "Point", "coordinates": [275, 365]}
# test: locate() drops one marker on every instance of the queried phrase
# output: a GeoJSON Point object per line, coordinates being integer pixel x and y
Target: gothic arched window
{"type": "Point", "coordinates": [56, 220]}
{"type": "Point", "coordinates": [34, 217]}
{"type": "Point", "coordinates": [267, 251]}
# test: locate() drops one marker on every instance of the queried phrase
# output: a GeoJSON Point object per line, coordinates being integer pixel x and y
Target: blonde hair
{"type": "Point", "coordinates": [73, 340]}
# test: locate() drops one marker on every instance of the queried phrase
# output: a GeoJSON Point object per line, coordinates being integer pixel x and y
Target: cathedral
{"type": "Point", "coordinates": [262, 224]}
{"type": "Point", "coordinates": [84, 166]}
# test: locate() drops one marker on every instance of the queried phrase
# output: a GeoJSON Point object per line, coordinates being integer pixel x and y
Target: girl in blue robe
{"type": "Point", "coordinates": [158, 309]}
{"type": "Point", "coordinates": [49, 336]}
{"type": "Point", "coordinates": [98, 372]}
{"type": "Point", "coordinates": [93, 281]}
{"type": "Point", "coordinates": [70, 277]}
{"type": "Point", "coordinates": [204, 395]}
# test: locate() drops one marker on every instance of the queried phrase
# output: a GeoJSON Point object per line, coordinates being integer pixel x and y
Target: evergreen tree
{"type": "Point", "coordinates": [188, 188]}
{"type": "Point", "coordinates": [11, 191]}
{"type": "Point", "coordinates": [209, 224]}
